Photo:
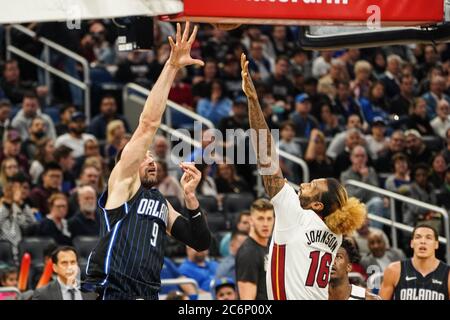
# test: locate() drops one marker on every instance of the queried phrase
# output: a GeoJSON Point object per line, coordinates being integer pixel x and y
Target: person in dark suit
{"type": "Point", "coordinates": [66, 285]}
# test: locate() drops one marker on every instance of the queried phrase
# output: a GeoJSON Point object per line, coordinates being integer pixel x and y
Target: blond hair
{"type": "Point", "coordinates": [112, 126]}
{"type": "Point", "coordinates": [343, 215]}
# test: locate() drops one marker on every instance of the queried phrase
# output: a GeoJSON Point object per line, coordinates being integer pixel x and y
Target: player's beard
{"type": "Point", "coordinates": [149, 182]}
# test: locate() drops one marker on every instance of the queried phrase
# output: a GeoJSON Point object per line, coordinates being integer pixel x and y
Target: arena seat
{"type": "Point", "coordinates": [84, 245]}
{"type": "Point", "coordinates": [208, 203]}
{"type": "Point", "coordinates": [234, 203]}
{"type": "Point", "coordinates": [35, 246]}
{"type": "Point", "coordinates": [6, 252]}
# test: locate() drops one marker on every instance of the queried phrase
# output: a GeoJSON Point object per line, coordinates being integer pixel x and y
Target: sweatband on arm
{"type": "Point", "coordinates": [192, 231]}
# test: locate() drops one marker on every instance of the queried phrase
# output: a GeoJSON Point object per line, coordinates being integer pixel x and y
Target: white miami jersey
{"type": "Point", "coordinates": [301, 253]}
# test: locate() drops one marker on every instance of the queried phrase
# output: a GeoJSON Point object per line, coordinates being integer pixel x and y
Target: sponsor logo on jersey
{"type": "Point", "coordinates": [434, 281]}
{"type": "Point", "coordinates": [410, 278]}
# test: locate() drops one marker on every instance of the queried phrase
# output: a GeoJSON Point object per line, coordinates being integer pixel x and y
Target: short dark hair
{"type": "Point", "coordinates": [288, 123]}
{"type": "Point", "coordinates": [62, 152]}
{"type": "Point", "coordinates": [60, 249]}
{"type": "Point", "coordinates": [352, 251]}
{"type": "Point", "coordinates": [330, 198]}
{"type": "Point", "coordinates": [30, 95]}
{"type": "Point", "coordinates": [241, 214]}
{"type": "Point", "coordinates": [237, 233]}
{"type": "Point", "coordinates": [51, 166]}
{"type": "Point", "coordinates": [425, 225]}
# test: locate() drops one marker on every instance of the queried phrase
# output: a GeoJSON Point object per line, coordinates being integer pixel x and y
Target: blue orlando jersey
{"type": "Point", "coordinates": [130, 254]}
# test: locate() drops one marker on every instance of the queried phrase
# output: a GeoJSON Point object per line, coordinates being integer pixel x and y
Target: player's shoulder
{"type": "Point", "coordinates": [392, 272]}
{"type": "Point", "coordinates": [394, 267]}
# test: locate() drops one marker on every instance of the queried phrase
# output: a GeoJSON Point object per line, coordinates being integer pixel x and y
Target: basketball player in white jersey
{"type": "Point", "coordinates": [308, 226]}
{"type": "Point", "coordinates": [340, 287]}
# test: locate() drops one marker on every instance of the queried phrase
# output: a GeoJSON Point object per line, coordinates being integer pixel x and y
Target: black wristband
{"type": "Point", "coordinates": [194, 213]}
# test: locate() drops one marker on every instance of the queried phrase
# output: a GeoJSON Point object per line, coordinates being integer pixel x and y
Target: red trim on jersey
{"type": "Point", "coordinates": [277, 271]}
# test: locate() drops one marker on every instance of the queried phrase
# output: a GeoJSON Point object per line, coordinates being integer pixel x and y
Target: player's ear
{"type": "Point", "coordinates": [317, 206]}
{"type": "Point", "coordinates": [349, 267]}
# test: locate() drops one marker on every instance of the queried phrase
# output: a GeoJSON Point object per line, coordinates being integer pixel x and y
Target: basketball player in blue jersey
{"type": "Point", "coordinates": [127, 261]}
{"type": "Point", "coordinates": [423, 277]}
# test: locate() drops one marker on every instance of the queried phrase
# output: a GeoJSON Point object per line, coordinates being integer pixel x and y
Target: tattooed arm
{"type": "Point", "coordinates": [262, 140]}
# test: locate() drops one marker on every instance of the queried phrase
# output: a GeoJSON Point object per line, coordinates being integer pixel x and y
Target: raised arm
{"type": "Point", "coordinates": [262, 140]}
{"type": "Point", "coordinates": [126, 170]}
{"type": "Point", "coordinates": [191, 230]}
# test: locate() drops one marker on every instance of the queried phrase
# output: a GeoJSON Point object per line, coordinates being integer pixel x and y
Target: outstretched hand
{"type": "Point", "coordinates": [180, 54]}
{"type": "Point", "coordinates": [191, 178]}
{"type": "Point", "coordinates": [247, 83]}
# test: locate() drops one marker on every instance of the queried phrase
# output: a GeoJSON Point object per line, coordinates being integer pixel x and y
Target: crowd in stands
{"type": "Point", "coordinates": [379, 115]}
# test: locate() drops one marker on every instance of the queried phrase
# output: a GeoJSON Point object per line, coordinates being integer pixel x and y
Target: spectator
{"type": "Point", "coordinates": [301, 64]}
{"type": "Point", "coordinates": [259, 66]}
{"type": "Point", "coordinates": [303, 120]}
{"type": "Point", "coordinates": [224, 288]}
{"type": "Point", "coordinates": [419, 119]}
{"type": "Point", "coordinates": [344, 103]}
{"type": "Point", "coordinates": [55, 224]}
{"type": "Point", "coordinates": [66, 286]}
{"type": "Point", "coordinates": [421, 189]}
{"type": "Point", "coordinates": [360, 171]}
{"type": "Point", "coordinates": [30, 110]}
{"type": "Point", "coordinates": [227, 181]}
{"type": "Point", "coordinates": [90, 176]}
{"type": "Point", "coordinates": [8, 169]}
{"type": "Point", "coordinates": [380, 256]}
{"type": "Point", "coordinates": [37, 133]}
{"type": "Point", "coordinates": [166, 184]}
{"type": "Point", "coordinates": [65, 116]}
{"type": "Point", "coordinates": [322, 64]}
{"type": "Point", "coordinates": [91, 150]}
{"type": "Point", "coordinates": [181, 91]}
{"type": "Point", "coordinates": [201, 87]}
{"type": "Point", "coordinates": [279, 84]}
{"type": "Point", "coordinates": [379, 63]}
{"type": "Point", "coordinates": [242, 225]}
{"type": "Point", "coordinates": [43, 155]}
{"type": "Point", "coordinates": [76, 137]}
{"type": "Point", "coordinates": [319, 164]}
{"type": "Point", "coordinates": [198, 267]}
{"type": "Point", "coordinates": [15, 217]}
{"type": "Point", "coordinates": [442, 121]}
{"type": "Point", "coordinates": [108, 112]}
{"type": "Point", "coordinates": [85, 221]}
{"type": "Point", "coordinates": [63, 157]}
{"type": "Point", "coordinates": [329, 122]}
{"type": "Point", "coordinates": [52, 178]}
{"type": "Point", "coordinates": [446, 150]}
{"type": "Point", "coordinates": [400, 180]}
{"type": "Point", "coordinates": [436, 93]}
{"type": "Point", "coordinates": [207, 185]}
{"type": "Point", "coordinates": [443, 195]}
{"type": "Point", "coordinates": [251, 256]}
{"type": "Point", "coordinates": [416, 149]}
{"type": "Point", "coordinates": [227, 267]}
{"type": "Point", "coordinates": [94, 46]}
{"type": "Point", "coordinates": [14, 88]}
{"type": "Point", "coordinates": [337, 145]}
{"type": "Point", "coordinates": [396, 144]}
{"type": "Point", "coordinates": [9, 277]}
{"type": "Point", "coordinates": [115, 132]}
{"type": "Point", "coordinates": [290, 169]}
{"type": "Point", "coordinates": [377, 143]}
{"type": "Point", "coordinates": [231, 76]}
{"type": "Point", "coordinates": [361, 237]}
{"type": "Point", "coordinates": [327, 84]}
{"type": "Point", "coordinates": [391, 77]}
{"type": "Point", "coordinates": [362, 84]}
{"type": "Point", "coordinates": [11, 149]}
{"type": "Point", "coordinates": [135, 68]}
{"type": "Point", "coordinates": [438, 171]}
{"type": "Point", "coordinates": [5, 115]}
{"type": "Point", "coordinates": [170, 271]}
{"type": "Point", "coordinates": [376, 104]}
{"type": "Point", "coordinates": [342, 162]}
{"type": "Point", "coordinates": [238, 119]}
{"type": "Point", "coordinates": [402, 103]}
{"type": "Point", "coordinates": [161, 152]}
{"type": "Point", "coordinates": [216, 106]}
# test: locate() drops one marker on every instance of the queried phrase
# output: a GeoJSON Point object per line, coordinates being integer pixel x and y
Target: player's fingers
{"type": "Point", "coordinates": [178, 36]}
{"type": "Point", "coordinates": [198, 62]}
{"type": "Point", "coordinates": [172, 44]}
{"type": "Point", "coordinates": [193, 35]}
{"type": "Point", "coordinates": [246, 67]}
{"type": "Point", "coordinates": [242, 60]}
{"type": "Point", "coordinates": [186, 31]}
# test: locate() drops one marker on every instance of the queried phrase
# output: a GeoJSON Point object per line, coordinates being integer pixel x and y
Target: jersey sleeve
{"type": "Point", "coordinates": [288, 211]}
